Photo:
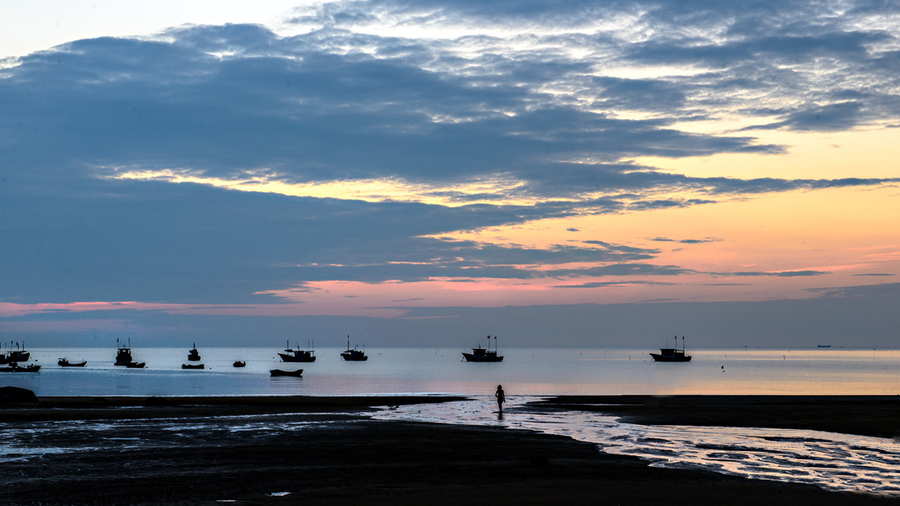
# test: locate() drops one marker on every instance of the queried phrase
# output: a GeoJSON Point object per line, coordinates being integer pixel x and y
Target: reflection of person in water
{"type": "Point", "coordinates": [501, 397]}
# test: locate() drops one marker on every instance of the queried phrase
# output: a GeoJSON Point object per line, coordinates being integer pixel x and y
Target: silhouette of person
{"type": "Point", "coordinates": [501, 397]}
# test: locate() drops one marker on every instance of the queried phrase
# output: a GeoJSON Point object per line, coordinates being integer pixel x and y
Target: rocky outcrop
{"type": "Point", "coordinates": [15, 396]}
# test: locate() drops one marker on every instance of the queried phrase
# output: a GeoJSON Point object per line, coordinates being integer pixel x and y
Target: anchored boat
{"type": "Point", "coordinates": [123, 353]}
{"type": "Point", "coordinates": [64, 362]}
{"type": "Point", "coordinates": [279, 372]}
{"type": "Point", "coordinates": [353, 355]}
{"type": "Point", "coordinates": [298, 355]}
{"type": "Point", "coordinates": [15, 355]}
{"type": "Point", "coordinates": [15, 367]}
{"type": "Point", "coordinates": [480, 354]}
{"type": "Point", "coordinates": [672, 354]}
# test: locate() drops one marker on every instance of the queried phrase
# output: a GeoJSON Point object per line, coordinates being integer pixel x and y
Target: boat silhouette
{"type": "Point", "coordinates": [353, 355]}
{"type": "Point", "coordinates": [480, 354]}
{"type": "Point", "coordinates": [15, 367]}
{"type": "Point", "coordinates": [15, 355]}
{"type": "Point", "coordinates": [279, 372]}
{"type": "Point", "coordinates": [64, 362]}
{"type": "Point", "coordinates": [194, 355]}
{"type": "Point", "coordinates": [298, 355]}
{"type": "Point", "coordinates": [672, 354]}
{"type": "Point", "coordinates": [123, 353]}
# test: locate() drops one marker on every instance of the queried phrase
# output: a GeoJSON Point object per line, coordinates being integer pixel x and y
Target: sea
{"type": "Point", "coordinates": [829, 460]}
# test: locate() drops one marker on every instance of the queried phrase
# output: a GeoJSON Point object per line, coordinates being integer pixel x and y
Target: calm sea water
{"type": "Point", "coordinates": [441, 370]}
{"type": "Point", "coordinates": [833, 461]}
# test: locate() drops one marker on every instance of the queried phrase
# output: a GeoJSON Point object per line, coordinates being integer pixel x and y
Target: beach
{"type": "Point", "coordinates": [326, 450]}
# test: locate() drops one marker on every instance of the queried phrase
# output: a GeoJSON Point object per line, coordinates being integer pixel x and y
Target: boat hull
{"type": "Point", "coordinates": [280, 372]}
{"type": "Point", "coordinates": [482, 358]}
{"type": "Point", "coordinates": [66, 363]}
{"type": "Point", "coordinates": [285, 357]}
{"type": "Point", "coordinates": [354, 356]}
{"type": "Point", "coordinates": [670, 358]}
{"type": "Point", "coordinates": [193, 366]}
{"type": "Point", "coordinates": [16, 368]}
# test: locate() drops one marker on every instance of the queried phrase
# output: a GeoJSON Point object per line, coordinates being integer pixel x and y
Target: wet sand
{"type": "Point", "coordinates": [340, 457]}
{"type": "Point", "coordinates": [877, 415]}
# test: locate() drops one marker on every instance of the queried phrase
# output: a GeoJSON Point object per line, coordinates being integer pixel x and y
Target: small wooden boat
{"type": "Point", "coordinates": [135, 365]}
{"type": "Point", "coordinates": [480, 354]}
{"type": "Point", "coordinates": [64, 362]}
{"type": "Point", "coordinates": [279, 372]}
{"type": "Point", "coordinates": [240, 363]}
{"type": "Point", "coordinates": [193, 366]}
{"type": "Point", "coordinates": [353, 355]}
{"type": "Point", "coordinates": [672, 354]}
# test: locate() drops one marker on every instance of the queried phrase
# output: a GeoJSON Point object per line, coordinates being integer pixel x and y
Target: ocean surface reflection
{"type": "Point", "coordinates": [539, 371]}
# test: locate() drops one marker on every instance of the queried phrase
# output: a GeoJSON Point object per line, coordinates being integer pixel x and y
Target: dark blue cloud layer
{"type": "Point", "coordinates": [337, 105]}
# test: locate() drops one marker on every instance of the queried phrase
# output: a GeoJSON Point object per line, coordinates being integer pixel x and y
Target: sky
{"type": "Point", "coordinates": [418, 173]}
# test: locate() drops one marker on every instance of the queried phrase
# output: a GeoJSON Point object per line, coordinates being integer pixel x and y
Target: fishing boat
{"type": "Point", "coordinates": [135, 365]}
{"type": "Point", "coordinates": [480, 354]}
{"type": "Point", "coordinates": [298, 355]}
{"type": "Point", "coordinates": [193, 366]}
{"type": "Point", "coordinates": [123, 353]}
{"type": "Point", "coordinates": [64, 362]}
{"type": "Point", "coordinates": [279, 372]}
{"type": "Point", "coordinates": [672, 354]}
{"type": "Point", "coordinates": [15, 367]}
{"type": "Point", "coordinates": [239, 363]}
{"type": "Point", "coordinates": [353, 355]}
{"type": "Point", "coordinates": [194, 355]}
{"type": "Point", "coordinates": [16, 355]}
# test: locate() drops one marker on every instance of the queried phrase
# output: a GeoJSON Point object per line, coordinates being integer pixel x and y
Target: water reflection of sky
{"type": "Point", "coordinates": [441, 370]}
{"type": "Point", "coordinates": [829, 460]}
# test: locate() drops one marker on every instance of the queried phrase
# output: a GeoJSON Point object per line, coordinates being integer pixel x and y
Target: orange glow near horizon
{"type": "Point", "coordinates": [851, 236]}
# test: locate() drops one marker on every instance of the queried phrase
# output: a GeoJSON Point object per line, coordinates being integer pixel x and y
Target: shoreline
{"type": "Point", "coordinates": [338, 461]}
{"type": "Point", "coordinates": [876, 415]}
{"type": "Point", "coordinates": [326, 450]}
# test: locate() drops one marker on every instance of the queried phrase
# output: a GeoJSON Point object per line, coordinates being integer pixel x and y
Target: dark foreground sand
{"type": "Point", "coordinates": [352, 460]}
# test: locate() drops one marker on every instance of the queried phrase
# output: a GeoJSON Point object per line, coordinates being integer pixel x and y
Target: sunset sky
{"type": "Point", "coordinates": [569, 173]}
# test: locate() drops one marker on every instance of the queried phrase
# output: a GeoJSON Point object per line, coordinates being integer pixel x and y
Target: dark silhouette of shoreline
{"type": "Point", "coordinates": [324, 450]}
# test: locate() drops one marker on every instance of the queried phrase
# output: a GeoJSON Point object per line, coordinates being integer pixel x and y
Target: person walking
{"type": "Point", "coordinates": [501, 397]}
